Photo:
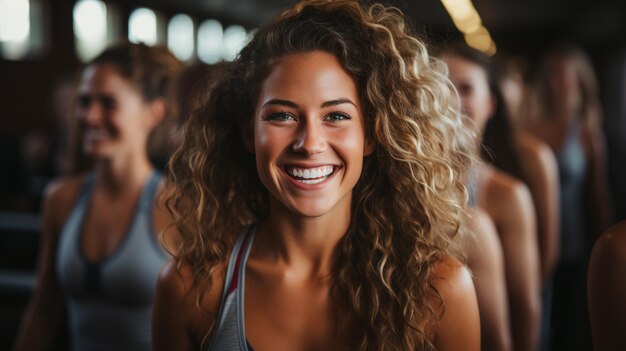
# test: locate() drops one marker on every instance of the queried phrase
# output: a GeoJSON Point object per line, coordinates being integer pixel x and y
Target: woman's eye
{"type": "Point", "coordinates": [337, 116]}
{"type": "Point", "coordinates": [281, 116]}
{"type": "Point", "coordinates": [108, 102]}
{"type": "Point", "coordinates": [84, 101]}
{"type": "Point", "coordinates": [465, 89]}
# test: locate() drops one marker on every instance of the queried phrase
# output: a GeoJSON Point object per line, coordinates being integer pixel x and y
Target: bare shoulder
{"type": "Point", "coordinates": [483, 244]}
{"type": "Point", "coordinates": [177, 283]}
{"type": "Point", "coordinates": [611, 246]}
{"type": "Point", "coordinates": [459, 326]}
{"type": "Point", "coordinates": [183, 316]}
{"type": "Point", "coordinates": [452, 278]}
{"type": "Point", "coordinates": [528, 142]}
{"type": "Point", "coordinates": [60, 197]}
{"type": "Point", "coordinates": [505, 189]}
{"type": "Point", "coordinates": [65, 189]}
{"type": "Point", "coordinates": [606, 287]}
{"type": "Point", "coordinates": [479, 220]}
{"type": "Point", "coordinates": [535, 151]}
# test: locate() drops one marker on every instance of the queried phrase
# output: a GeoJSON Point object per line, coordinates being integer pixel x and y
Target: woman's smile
{"type": "Point", "coordinates": [313, 175]}
{"type": "Point", "coordinates": [309, 137]}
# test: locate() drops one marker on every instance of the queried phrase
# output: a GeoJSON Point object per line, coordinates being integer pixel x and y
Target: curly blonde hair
{"type": "Point", "coordinates": [409, 201]}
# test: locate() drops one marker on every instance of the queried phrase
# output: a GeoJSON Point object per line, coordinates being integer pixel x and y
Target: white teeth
{"type": "Point", "coordinates": [308, 174]}
{"type": "Point", "coordinates": [312, 181]}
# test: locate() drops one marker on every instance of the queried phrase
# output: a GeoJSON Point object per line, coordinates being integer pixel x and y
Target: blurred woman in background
{"type": "Point", "coordinates": [100, 255]}
{"type": "Point", "coordinates": [539, 170]}
{"type": "Point", "coordinates": [565, 113]}
{"type": "Point", "coordinates": [606, 288]}
{"type": "Point", "coordinates": [505, 199]}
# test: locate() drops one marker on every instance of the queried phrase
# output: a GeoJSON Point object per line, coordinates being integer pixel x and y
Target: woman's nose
{"type": "Point", "coordinates": [91, 113]}
{"type": "Point", "coordinates": [311, 139]}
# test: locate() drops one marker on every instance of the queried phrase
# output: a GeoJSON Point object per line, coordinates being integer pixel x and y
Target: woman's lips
{"type": "Point", "coordinates": [310, 175]}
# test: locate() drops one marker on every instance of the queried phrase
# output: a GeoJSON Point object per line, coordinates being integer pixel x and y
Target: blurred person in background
{"type": "Point", "coordinates": [485, 260]}
{"type": "Point", "coordinates": [607, 288]}
{"type": "Point", "coordinates": [537, 166]}
{"type": "Point", "coordinates": [100, 254]}
{"type": "Point", "coordinates": [565, 113]}
{"type": "Point", "coordinates": [500, 192]}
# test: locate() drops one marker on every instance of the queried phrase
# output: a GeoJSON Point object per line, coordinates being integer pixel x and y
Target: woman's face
{"type": "Point", "coordinates": [309, 135]}
{"type": "Point", "coordinates": [112, 114]}
{"type": "Point", "coordinates": [470, 80]}
{"type": "Point", "coordinates": [562, 77]}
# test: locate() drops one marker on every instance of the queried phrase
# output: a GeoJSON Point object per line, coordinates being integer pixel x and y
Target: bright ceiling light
{"type": "Point", "coordinates": [468, 21]}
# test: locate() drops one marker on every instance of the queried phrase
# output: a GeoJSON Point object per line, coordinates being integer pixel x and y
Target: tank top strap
{"type": "Point", "coordinates": [229, 332]}
{"type": "Point", "coordinates": [238, 259]}
{"type": "Point", "coordinates": [149, 192]}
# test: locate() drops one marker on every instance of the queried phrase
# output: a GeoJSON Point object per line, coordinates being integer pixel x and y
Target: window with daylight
{"type": "Point", "coordinates": [210, 41]}
{"type": "Point", "coordinates": [235, 38]}
{"type": "Point", "coordinates": [142, 26]}
{"type": "Point", "coordinates": [21, 28]}
{"type": "Point", "coordinates": [93, 28]}
{"type": "Point", "coordinates": [180, 37]}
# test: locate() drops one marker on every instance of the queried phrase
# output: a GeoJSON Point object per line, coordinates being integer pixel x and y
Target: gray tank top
{"type": "Point", "coordinates": [229, 332]}
{"type": "Point", "coordinates": [572, 164]}
{"type": "Point", "coordinates": [109, 303]}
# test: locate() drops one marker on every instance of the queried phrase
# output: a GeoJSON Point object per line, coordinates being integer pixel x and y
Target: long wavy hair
{"type": "Point", "coordinates": [408, 203]}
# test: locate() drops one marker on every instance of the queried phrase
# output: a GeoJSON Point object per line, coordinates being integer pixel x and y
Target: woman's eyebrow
{"type": "Point", "coordinates": [281, 102]}
{"type": "Point", "coordinates": [338, 102]}
{"type": "Point", "coordinates": [296, 106]}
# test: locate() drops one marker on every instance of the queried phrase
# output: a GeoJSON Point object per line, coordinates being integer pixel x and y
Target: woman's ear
{"type": "Point", "coordinates": [369, 147]}
{"type": "Point", "coordinates": [157, 112]}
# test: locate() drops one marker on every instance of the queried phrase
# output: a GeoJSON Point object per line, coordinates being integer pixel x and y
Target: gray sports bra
{"type": "Point", "coordinates": [229, 333]}
{"type": "Point", "coordinates": [109, 303]}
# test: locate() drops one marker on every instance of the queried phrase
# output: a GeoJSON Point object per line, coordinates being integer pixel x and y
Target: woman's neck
{"type": "Point", "coordinates": [119, 175]}
{"type": "Point", "coordinates": [565, 108]}
{"type": "Point", "coordinates": [306, 245]}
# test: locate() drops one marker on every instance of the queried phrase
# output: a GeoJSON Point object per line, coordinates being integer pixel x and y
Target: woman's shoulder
{"type": "Point", "coordinates": [611, 246]}
{"type": "Point", "coordinates": [459, 326]}
{"type": "Point", "coordinates": [533, 148]}
{"type": "Point", "coordinates": [60, 197]}
{"type": "Point", "coordinates": [65, 188]}
{"type": "Point", "coordinates": [179, 281]}
{"type": "Point", "coordinates": [185, 302]}
{"type": "Point", "coordinates": [506, 199]}
{"type": "Point", "coordinates": [504, 188]}
{"type": "Point", "coordinates": [481, 241]}
{"type": "Point", "coordinates": [538, 159]}
{"type": "Point", "coordinates": [453, 282]}
{"type": "Point", "coordinates": [606, 287]}
{"type": "Point", "coordinates": [450, 276]}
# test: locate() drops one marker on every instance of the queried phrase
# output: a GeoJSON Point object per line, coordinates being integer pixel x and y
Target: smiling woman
{"type": "Point", "coordinates": [309, 135]}
{"type": "Point", "coordinates": [100, 256]}
{"type": "Point", "coordinates": [317, 193]}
